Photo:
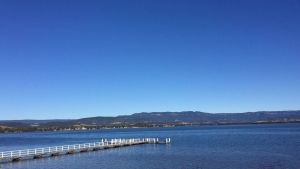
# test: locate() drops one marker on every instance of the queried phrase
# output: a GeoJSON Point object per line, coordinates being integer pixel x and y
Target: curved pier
{"type": "Point", "coordinates": [17, 155]}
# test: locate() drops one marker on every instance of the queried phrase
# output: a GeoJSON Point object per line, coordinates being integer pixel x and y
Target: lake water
{"type": "Point", "coordinates": [268, 146]}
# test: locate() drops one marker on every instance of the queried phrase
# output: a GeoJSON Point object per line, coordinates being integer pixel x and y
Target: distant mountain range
{"type": "Point", "coordinates": [152, 119]}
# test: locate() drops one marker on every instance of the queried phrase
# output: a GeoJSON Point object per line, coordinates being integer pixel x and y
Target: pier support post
{"type": "Point", "coordinates": [16, 159]}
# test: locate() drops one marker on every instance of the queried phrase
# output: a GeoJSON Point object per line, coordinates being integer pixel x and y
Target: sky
{"type": "Point", "coordinates": [83, 58]}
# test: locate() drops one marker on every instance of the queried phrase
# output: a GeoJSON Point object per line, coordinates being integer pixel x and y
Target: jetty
{"type": "Point", "coordinates": [36, 153]}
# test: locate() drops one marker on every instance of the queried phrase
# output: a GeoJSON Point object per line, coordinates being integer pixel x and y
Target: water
{"type": "Point", "coordinates": [269, 146]}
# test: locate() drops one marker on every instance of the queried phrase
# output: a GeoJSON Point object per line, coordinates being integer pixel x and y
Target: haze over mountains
{"type": "Point", "coordinates": [153, 119]}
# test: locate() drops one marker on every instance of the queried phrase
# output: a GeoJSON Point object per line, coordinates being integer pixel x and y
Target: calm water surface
{"type": "Point", "coordinates": [271, 146]}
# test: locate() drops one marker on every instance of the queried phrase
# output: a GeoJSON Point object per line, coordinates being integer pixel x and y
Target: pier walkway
{"type": "Point", "coordinates": [17, 155]}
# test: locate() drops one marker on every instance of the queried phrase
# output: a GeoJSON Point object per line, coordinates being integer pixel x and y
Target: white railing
{"type": "Point", "coordinates": [76, 147]}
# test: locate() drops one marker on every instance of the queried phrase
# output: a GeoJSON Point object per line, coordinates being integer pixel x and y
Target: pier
{"type": "Point", "coordinates": [17, 155]}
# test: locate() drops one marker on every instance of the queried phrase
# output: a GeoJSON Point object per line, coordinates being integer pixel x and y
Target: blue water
{"type": "Point", "coordinates": [268, 146]}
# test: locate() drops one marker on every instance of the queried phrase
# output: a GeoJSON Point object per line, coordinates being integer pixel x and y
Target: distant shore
{"type": "Point", "coordinates": [152, 119]}
{"type": "Point", "coordinates": [4, 129]}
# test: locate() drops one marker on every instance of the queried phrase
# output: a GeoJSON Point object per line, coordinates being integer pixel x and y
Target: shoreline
{"type": "Point", "coordinates": [154, 126]}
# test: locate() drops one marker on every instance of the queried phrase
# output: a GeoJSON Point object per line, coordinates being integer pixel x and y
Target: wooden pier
{"type": "Point", "coordinates": [17, 155]}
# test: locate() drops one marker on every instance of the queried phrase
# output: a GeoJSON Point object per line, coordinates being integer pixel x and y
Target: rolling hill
{"type": "Point", "coordinates": [154, 119]}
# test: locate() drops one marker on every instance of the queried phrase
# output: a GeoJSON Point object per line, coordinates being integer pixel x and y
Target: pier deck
{"type": "Point", "coordinates": [17, 155]}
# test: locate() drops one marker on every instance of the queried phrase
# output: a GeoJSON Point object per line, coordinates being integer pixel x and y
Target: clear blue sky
{"type": "Point", "coordinates": [71, 59]}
